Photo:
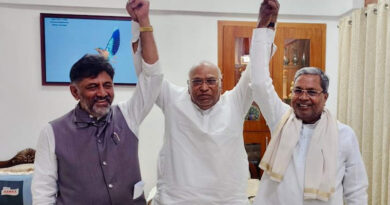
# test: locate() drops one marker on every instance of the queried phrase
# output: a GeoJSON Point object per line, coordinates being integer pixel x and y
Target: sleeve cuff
{"type": "Point", "coordinates": [151, 69]}
{"type": "Point", "coordinates": [134, 31]}
{"type": "Point", "coordinates": [263, 35]}
{"type": "Point", "coordinates": [274, 48]}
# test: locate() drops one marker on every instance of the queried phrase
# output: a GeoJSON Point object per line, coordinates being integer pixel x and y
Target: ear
{"type": "Point", "coordinates": [326, 95]}
{"type": "Point", "coordinates": [189, 87]}
{"type": "Point", "coordinates": [74, 91]}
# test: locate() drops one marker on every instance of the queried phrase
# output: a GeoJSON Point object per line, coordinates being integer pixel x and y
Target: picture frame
{"type": "Point", "coordinates": [65, 38]}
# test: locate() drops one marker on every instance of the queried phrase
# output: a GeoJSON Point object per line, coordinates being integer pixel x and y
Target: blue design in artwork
{"type": "Point", "coordinates": [112, 46]}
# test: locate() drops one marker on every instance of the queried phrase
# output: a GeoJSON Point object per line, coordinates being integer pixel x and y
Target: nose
{"type": "Point", "coordinates": [101, 92]}
{"type": "Point", "coordinates": [304, 95]}
{"type": "Point", "coordinates": [204, 86]}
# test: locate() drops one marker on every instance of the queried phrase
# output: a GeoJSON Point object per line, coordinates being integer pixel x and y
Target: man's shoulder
{"type": "Point", "coordinates": [347, 137]}
{"type": "Point", "coordinates": [167, 85]}
{"type": "Point", "coordinates": [345, 129]}
{"type": "Point", "coordinates": [117, 109]}
{"type": "Point", "coordinates": [171, 91]}
{"type": "Point", "coordinates": [63, 117]}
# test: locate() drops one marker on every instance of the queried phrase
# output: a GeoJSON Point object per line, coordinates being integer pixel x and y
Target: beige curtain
{"type": "Point", "coordinates": [364, 90]}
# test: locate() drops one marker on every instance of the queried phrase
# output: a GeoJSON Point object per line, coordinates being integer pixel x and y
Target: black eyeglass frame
{"type": "Point", "coordinates": [198, 81]}
{"type": "Point", "coordinates": [310, 92]}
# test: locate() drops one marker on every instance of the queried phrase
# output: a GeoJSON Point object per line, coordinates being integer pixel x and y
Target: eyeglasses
{"type": "Point", "coordinates": [311, 93]}
{"type": "Point", "coordinates": [208, 81]}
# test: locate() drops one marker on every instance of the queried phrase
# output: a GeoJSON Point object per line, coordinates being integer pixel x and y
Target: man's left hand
{"type": "Point", "coordinates": [268, 13]}
{"type": "Point", "coordinates": [139, 11]}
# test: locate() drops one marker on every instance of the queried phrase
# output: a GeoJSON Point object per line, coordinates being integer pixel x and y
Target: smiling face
{"type": "Point", "coordinates": [95, 94]}
{"type": "Point", "coordinates": [204, 86]}
{"type": "Point", "coordinates": [308, 108]}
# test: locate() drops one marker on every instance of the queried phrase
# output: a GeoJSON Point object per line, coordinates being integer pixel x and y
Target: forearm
{"type": "Point", "coordinates": [150, 55]}
{"type": "Point", "coordinates": [146, 64]}
{"type": "Point", "coordinates": [137, 59]}
{"type": "Point", "coordinates": [242, 93]}
{"type": "Point", "coordinates": [264, 92]}
{"type": "Point", "coordinates": [147, 90]}
{"type": "Point", "coordinates": [148, 44]}
{"type": "Point", "coordinates": [139, 12]}
{"type": "Point", "coordinates": [136, 46]}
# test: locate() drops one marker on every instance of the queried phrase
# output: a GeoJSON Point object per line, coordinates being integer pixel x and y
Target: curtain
{"type": "Point", "coordinates": [364, 90]}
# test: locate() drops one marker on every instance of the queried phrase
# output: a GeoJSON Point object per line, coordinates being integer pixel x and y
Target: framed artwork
{"type": "Point", "coordinates": [65, 38]}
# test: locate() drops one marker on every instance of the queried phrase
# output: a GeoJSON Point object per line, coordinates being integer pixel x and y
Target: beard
{"type": "Point", "coordinates": [92, 108]}
{"type": "Point", "coordinates": [100, 111]}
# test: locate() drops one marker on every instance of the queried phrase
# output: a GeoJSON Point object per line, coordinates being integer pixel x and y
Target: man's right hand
{"type": "Point", "coordinates": [139, 11]}
{"type": "Point", "coordinates": [268, 13]}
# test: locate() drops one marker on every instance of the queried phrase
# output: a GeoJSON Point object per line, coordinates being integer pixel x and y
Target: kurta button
{"type": "Point", "coordinates": [104, 163]}
{"type": "Point", "coordinates": [110, 186]}
{"type": "Point", "coordinates": [100, 141]}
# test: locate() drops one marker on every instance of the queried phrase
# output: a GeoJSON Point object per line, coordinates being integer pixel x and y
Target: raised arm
{"type": "Point", "coordinates": [149, 75]}
{"type": "Point", "coordinates": [151, 53]}
{"type": "Point", "coordinates": [262, 49]}
{"type": "Point", "coordinates": [139, 12]}
{"type": "Point", "coordinates": [268, 14]}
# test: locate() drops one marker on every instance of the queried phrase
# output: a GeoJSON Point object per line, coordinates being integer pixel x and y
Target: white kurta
{"type": "Point", "coordinates": [351, 180]}
{"type": "Point", "coordinates": [203, 159]}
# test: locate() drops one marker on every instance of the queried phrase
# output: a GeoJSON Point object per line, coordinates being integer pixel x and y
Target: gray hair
{"type": "Point", "coordinates": [314, 71]}
{"type": "Point", "coordinates": [205, 63]}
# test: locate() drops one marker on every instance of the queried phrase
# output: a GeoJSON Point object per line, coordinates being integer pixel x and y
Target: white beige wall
{"type": "Point", "coordinates": [185, 31]}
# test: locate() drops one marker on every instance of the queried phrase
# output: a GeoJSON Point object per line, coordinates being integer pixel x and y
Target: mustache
{"type": "Point", "coordinates": [106, 98]}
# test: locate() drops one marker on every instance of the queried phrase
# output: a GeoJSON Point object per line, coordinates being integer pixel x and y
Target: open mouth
{"type": "Point", "coordinates": [102, 102]}
{"type": "Point", "coordinates": [303, 106]}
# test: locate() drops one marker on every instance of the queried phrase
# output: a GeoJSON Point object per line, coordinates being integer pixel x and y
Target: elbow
{"type": "Point", "coordinates": [357, 195]}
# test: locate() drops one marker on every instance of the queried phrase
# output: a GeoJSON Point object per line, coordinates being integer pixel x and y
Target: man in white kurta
{"type": "Point", "coordinates": [351, 178]}
{"type": "Point", "coordinates": [203, 160]}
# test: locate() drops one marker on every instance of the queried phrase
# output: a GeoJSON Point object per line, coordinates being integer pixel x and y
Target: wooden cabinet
{"type": "Point", "coordinates": [298, 45]}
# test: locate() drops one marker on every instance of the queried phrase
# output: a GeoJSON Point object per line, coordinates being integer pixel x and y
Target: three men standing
{"type": "Point", "coordinates": [312, 159]}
